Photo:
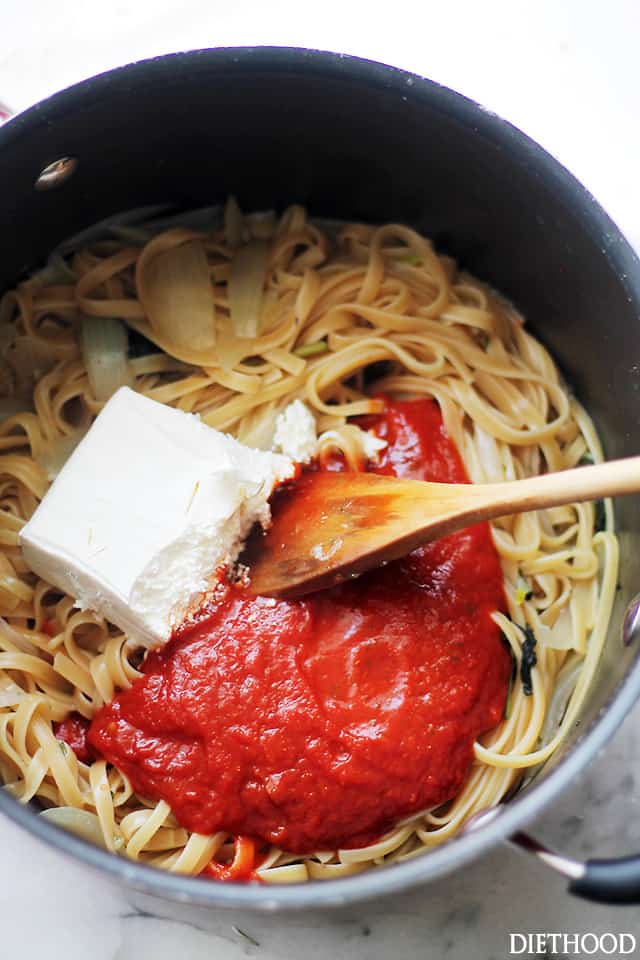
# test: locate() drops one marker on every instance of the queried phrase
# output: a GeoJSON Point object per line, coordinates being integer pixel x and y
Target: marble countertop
{"type": "Point", "coordinates": [568, 74]}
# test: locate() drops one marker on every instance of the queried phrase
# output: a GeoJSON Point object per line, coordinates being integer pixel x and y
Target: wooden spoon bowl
{"type": "Point", "coordinates": [328, 527]}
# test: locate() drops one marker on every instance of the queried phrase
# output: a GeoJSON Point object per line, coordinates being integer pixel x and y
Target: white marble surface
{"type": "Point", "coordinates": [567, 72]}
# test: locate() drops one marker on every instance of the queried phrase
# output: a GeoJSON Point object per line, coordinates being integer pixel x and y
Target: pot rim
{"type": "Point", "coordinates": [462, 849]}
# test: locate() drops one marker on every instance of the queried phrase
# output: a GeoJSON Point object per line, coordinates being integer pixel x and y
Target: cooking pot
{"type": "Point", "coordinates": [357, 140]}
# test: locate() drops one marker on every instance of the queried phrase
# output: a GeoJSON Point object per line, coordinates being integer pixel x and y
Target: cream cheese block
{"type": "Point", "coordinates": [148, 506]}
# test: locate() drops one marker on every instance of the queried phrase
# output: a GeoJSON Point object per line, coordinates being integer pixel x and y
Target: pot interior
{"type": "Point", "coordinates": [353, 140]}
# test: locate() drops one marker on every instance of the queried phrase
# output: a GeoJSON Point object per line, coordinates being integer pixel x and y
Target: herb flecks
{"type": "Point", "coordinates": [528, 659]}
{"type": "Point", "coordinates": [524, 593]}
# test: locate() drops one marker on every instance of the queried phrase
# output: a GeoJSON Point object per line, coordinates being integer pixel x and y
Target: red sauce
{"type": "Point", "coordinates": [50, 627]}
{"type": "Point", "coordinates": [320, 723]}
{"type": "Point", "coordinates": [241, 868]}
{"type": "Point", "coordinates": [73, 731]}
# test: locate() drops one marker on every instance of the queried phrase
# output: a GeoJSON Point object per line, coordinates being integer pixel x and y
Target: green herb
{"type": "Point", "coordinates": [412, 261]}
{"type": "Point", "coordinates": [585, 459]}
{"type": "Point", "coordinates": [512, 679]}
{"type": "Point", "coordinates": [246, 936]}
{"type": "Point", "coordinates": [483, 340]}
{"type": "Point", "coordinates": [528, 660]}
{"type": "Point", "coordinates": [523, 591]}
{"type": "Point", "coordinates": [600, 520]}
{"type": "Point", "coordinates": [63, 747]}
{"type": "Point", "coordinates": [312, 349]}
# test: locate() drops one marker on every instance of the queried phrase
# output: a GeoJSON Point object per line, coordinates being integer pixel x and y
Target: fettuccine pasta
{"type": "Point", "coordinates": [347, 314]}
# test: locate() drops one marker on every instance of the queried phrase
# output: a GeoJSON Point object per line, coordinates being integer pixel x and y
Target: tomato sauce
{"type": "Point", "coordinates": [73, 731]}
{"type": "Point", "coordinates": [242, 867]}
{"type": "Point", "coordinates": [320, 723]}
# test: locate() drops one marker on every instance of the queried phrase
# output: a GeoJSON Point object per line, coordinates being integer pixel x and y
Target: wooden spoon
{"type": "Point", "coordinates": [328, 527]}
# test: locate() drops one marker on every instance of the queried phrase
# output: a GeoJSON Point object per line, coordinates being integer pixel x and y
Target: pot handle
{"type": "Point", "coordinates": [614, 881]}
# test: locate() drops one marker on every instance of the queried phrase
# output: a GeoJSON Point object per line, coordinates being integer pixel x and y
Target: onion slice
{"type": "Point", "coordinates": [80, 822]}
{"type": "Point", "coordinates": [234, 225]}
{"type": "Point", "coordinates": [246, 287]}
{"type": "Point", "coordinates": [104, 352]}
{"type": "Point", "coordinates": [174, 287]}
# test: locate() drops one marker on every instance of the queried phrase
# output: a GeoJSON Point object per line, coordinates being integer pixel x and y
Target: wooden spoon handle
{"type": "Point", "coordinates": [555, 489]}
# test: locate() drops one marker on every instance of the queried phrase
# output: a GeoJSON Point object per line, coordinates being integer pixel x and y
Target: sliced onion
{"type": "Point", "coordinates": [80, 822]}
{"type": "Point", "coordinates": [175, 289]}
{"type": "Point", "coordinates": [234, 225]}
{"type": "Point", "coordinates": [489, 456]}
{"type": "Point", "coordinates": [53, 455]}
{"type": "Point", "coordinates": [245, 288]}
{"type": "Point", "coordinates": [104, 351]}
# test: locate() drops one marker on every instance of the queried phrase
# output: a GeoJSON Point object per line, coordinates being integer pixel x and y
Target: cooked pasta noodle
{"type": "Point", "coordinates": [348, 313]}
